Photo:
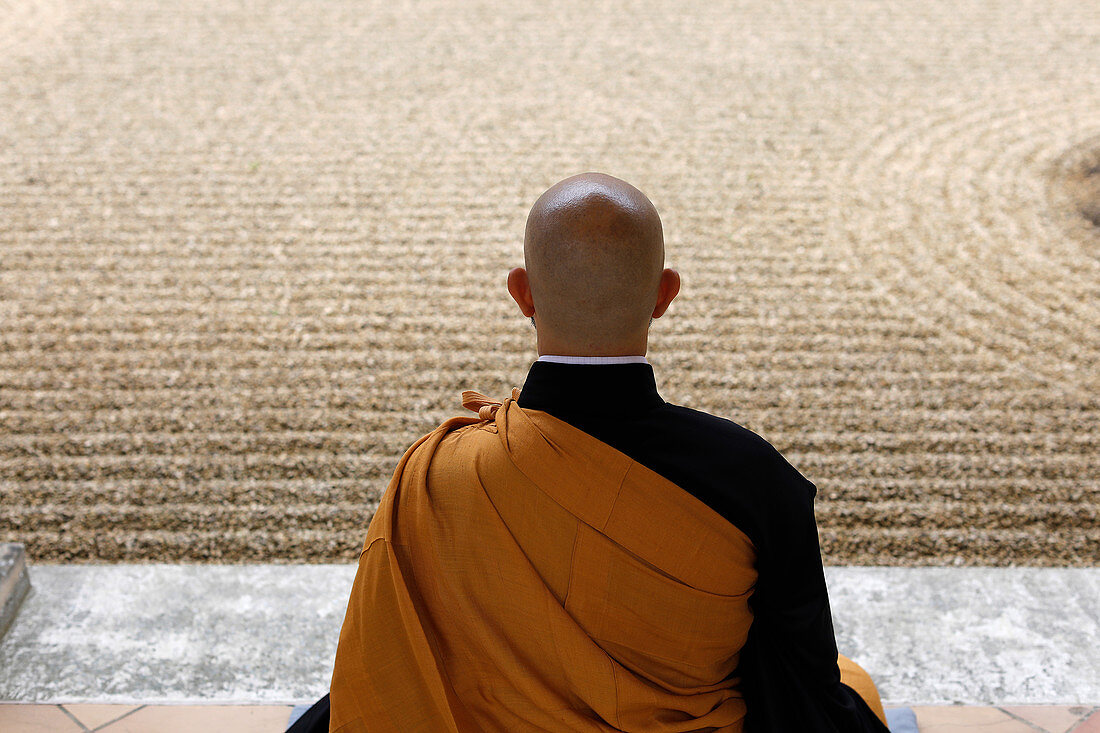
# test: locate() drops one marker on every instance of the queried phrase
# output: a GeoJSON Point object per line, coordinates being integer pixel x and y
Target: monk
{"type": "Point", "coordinates": [584, 556]}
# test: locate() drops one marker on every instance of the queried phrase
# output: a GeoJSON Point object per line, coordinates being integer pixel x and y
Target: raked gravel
{"type": "Point", "coordinates": [250, 250]}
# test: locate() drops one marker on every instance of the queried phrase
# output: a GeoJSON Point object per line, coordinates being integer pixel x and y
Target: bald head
{"type": "Point", "coordinates": [594, 253]}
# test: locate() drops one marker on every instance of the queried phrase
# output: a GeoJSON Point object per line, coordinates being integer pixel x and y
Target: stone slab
{"type": "Point", "coordinates": [974, 636]}
{"type": "Point", "coordinates": [176, 633]}
{"type": "Point", "coordinates": [15, 583]}
{"type": "Point", "coordinates": [268, 633]}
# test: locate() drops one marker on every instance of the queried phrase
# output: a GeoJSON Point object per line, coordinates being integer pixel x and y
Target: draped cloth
{"type": "Point", "coordinates": [521, 575]}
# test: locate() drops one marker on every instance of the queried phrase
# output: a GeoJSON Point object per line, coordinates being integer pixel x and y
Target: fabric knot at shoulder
{"type": "Point", "coordinates": [485, 407]}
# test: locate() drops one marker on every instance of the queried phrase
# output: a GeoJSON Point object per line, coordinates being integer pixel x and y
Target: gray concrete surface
{"type": "Point", "coordinates": [974, 636]}
{"type": "Point", "coordinates": [267, 633]}
{"type": "Point", "coordinates": [175, 633]}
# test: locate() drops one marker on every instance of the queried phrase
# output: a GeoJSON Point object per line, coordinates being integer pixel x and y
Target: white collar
{"type": "Point", "coordinates": [593, 360]}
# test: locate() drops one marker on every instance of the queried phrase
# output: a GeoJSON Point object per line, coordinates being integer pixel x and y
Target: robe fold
{"type": "Point", "coordinates": [521, 575]}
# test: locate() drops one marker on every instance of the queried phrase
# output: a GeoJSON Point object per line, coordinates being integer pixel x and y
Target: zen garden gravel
{"type": "Point", "coordinates": [250, 250]}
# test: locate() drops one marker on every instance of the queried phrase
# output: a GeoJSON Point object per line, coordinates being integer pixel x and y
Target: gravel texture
{"type": "Point", "coordinates": [251, 250]}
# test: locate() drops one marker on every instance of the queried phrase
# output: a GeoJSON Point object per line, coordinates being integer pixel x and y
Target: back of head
{"type": "Point", "coordinates": [594, 251]}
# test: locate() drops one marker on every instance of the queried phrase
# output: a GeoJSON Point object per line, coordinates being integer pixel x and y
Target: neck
{"type": "Point", "coordinates": [549, 345]}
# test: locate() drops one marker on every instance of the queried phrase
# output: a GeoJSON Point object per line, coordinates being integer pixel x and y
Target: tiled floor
{"type": "Point", "coordinates": [18, 718]}
{"type": "Point", "coordinates": [1009, 719]}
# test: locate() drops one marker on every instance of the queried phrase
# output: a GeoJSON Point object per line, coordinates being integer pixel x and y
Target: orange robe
{"type": "Point", "coordinates": [521, 575]}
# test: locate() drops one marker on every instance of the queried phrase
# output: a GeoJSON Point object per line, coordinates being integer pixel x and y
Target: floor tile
{"type": "Point", "coordinates": [191, 718]}
{"type": "Point", "coordinates": [36, 719]}
{"type": "Point", "coordinates": [93, 716]}
{"type": "Point", "coordinates": [966, 719]}
{"type": "Point", "coordinates": [1092, 725]}
{"type": "Point", "coordinates": [1052, 718]}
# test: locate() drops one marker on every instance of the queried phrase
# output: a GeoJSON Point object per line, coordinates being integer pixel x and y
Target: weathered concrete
{"type": "Point", "coordinates": [267, 633]}
{"type": "Point", "coordinates": [15, 583]}
{"type": "Point", "coordinates": [160, 633]}
{"type": "Point", "coordinates": [972, 635]}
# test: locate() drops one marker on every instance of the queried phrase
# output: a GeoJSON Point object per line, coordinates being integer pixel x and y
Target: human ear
{"type": "Point", "coordinates": [519, 287]}
{"type": "Point", "coordinates": [666, 291]}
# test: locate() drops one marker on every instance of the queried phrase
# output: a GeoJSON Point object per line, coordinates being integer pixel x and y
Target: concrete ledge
{"type": "Point", "coordinates": [267, 633]}
{"type": "Point", "coordinates": [972, 636]}
{"type": "Point", "coordinates": [15, 583]}
{"type": "Point", "coordinates": [176, 633]}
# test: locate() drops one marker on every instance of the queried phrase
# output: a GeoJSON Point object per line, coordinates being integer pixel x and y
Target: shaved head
{"type": "Point", "coordinates": [594, 252]}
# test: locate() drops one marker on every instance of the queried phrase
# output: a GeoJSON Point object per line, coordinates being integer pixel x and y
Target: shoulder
{"type": "Point", "coordinates": [458, 434]}
{"type": "Point", "coordinates": [718, 428]}
{"type": "Point", "coordinates": [736, 449]}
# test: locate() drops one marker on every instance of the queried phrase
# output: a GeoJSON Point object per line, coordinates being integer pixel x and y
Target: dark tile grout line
{"type": "Point", "coordinates": [112, 722]}
{"type": "Point", "coordinates": [1028, 723]}
{"type": "Point", "coordinates": [1095, 710]}
{"type": "Point", "coordinates": [73, 718]}
{"type": "Point", "coordinates": [61, 706]}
